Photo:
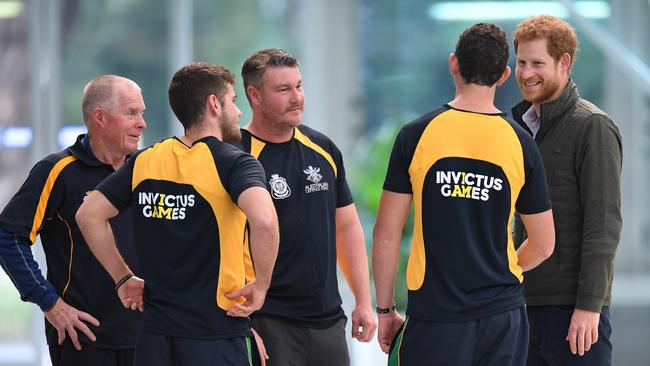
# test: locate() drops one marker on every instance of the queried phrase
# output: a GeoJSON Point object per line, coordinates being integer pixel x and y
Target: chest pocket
{"type": "Point", "coordinates": [559, 162]}
{"type": "Point", "coordinates": [564, 183]}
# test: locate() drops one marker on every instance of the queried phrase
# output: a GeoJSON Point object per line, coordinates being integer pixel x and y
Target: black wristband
{"type": "Point", "coordinates": [123, 280]}
{"type": "Point", "coordinates": [385, 310]}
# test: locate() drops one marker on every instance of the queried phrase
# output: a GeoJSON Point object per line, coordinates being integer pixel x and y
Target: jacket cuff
{"type": "Point", "coordinates": [590, 303]}
{"type": "Point", "coordinates": [46, 298]}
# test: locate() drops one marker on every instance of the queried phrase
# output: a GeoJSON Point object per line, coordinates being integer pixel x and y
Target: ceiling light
{"type": "Point", "coordinates": [504, 10]}
{"type": "Point", "coordinates": [10, 8]}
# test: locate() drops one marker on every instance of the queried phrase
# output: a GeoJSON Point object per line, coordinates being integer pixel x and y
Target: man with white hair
{"type": "Point", "coordinates": [77, 286]}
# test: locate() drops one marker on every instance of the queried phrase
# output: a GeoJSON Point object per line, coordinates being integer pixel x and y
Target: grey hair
{"type": "Point", "coordinates": [101, 92]}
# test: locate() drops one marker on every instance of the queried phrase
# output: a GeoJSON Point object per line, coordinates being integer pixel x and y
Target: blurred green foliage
{"type": "Point", "coordinates": [368, 165]}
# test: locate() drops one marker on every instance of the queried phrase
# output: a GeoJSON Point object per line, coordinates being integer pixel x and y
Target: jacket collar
{"type": "Point", "coordinates": [550, 111]}
{"type": "Point", "coordinates": [81, 150]}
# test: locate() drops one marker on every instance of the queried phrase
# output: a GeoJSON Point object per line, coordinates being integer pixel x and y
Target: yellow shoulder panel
{"type": "Point", "coordinates": [465, 135]}
{"type": "Point", "coordinates": [172, 161]}
{"type": "Point", "coordinates": [309, 143]}
{"type": "Point", "coordinates": [45, 195]}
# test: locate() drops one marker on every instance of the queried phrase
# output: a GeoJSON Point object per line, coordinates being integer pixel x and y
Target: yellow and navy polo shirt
{"type": "Point", "coordinates": [468, 173]}
{"type": "Point", "coordinates": [46, 205]}
{"type": "Point", "coordinates": [189, 232]}
{"type": "Point", "coordinates": [306, 178]}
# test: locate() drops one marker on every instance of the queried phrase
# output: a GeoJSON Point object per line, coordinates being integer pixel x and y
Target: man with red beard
{"type": "Point", "coordinates": [302, 322]}
{"type": "Point", "coordinates": [568, 296]}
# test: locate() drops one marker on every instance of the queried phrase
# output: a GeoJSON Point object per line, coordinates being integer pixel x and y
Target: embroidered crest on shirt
{"type": "Point", "coordinates": [279, 187]}
{"type": "Point", "coordinates": [314, 176]}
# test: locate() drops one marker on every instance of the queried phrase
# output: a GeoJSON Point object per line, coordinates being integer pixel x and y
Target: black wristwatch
{"type": "Point", "coordinates": [385, 310]}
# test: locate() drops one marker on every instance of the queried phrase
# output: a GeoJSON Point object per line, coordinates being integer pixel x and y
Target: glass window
{"type": "Point", "coordinates": [126, 38]}
{"type": "Point", "coordinates": [228, 32]}
{"type": "Point", "coordinates": [15, 140]}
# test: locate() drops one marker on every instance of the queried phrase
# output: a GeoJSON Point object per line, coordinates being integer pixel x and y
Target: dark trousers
{"type": "Point", "coordinates": [549, 326]}
{"type": "Point", "coordinates": [67, 355]}
{"type": "Point", "coordinates": [161, 350]}
{"type": "Point", "coordinates": [288, 344]}
{"type": "Point", "coordinates": [498, 340]}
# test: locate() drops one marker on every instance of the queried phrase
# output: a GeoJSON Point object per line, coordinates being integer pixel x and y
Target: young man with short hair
{"type": "Point", "coordinates": [196, 200]}
{"type": "Point", "coordinates": [466, 167]}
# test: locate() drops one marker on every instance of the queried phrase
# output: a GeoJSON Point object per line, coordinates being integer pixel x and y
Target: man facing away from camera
{"type": "Point", "coordinates": [466, 167]}
{"type": "Point", "coordinates": [195, 200]}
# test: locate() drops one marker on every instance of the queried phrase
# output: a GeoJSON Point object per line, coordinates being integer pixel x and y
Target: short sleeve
{"type": "Point", "coordinates": [533, 196]}
{"type": "Point", "coordinates": [343, 193]}
{"type": "Point", "coordinates": [246, 173]}
{"type": "Point", "coordinates": [397, 176]}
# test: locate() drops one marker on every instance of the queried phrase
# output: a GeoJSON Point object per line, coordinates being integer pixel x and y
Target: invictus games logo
{"type": "Point", "coordinates": [467, 185]}
{"type": "Point", "coordinates": [314, 176]}
{"type": "Point", "coordinates": [279, 187]}
{"type": "Point", "coordinates": [165, 206]}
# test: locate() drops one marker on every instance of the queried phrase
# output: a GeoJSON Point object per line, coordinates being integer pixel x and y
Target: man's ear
{"type": "Point", "coordinates": [213, 104]}
{"type": "Point", "coordinates": [453, 64]}
{"type": "Point", "coordinates": [504, 76]}
{"type": "Point", "coordinates": [253, 95]}
{"type": "Point", "coordinates": [565, 62]}
{"type": "Point", "coordinates": [99, 116]}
